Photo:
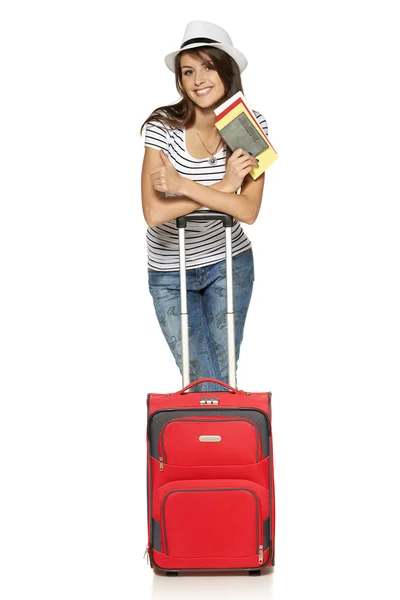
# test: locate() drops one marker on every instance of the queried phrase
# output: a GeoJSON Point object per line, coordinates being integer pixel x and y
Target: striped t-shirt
{"type": "Point", "coordinates": [204, 240]}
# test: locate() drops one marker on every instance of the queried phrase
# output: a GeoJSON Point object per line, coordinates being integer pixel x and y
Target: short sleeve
{"type": "Point", "coordinates": [262, 121]}
{"type": "Point", "coordinates": [156, 136]}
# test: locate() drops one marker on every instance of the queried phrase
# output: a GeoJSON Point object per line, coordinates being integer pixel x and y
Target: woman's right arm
{"type": "Point", "coordinates": [156, 208]}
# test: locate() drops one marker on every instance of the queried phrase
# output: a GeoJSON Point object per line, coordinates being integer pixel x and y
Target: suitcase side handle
{"type": "Point", "coordinates": [208, 380]}
{"type": "Point", "coordinates": [204, 215]}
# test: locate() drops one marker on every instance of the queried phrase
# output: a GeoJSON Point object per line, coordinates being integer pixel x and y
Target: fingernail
{"type": "Point", "coordinates": [251, 153]}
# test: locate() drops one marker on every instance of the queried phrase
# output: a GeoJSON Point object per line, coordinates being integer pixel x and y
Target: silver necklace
{"type": "Point", "coordinates": [212, 160]}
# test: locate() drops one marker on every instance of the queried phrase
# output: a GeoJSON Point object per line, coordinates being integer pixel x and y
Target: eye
{"type": "Point", "coordinates": [191, 71]}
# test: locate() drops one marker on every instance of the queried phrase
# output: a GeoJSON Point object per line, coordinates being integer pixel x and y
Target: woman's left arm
{"type": "Point", "coordinates": [243, 207]}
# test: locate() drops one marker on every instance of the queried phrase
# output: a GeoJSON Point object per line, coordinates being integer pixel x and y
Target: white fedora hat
{"type": "Point", "coordinates": [203, 33]}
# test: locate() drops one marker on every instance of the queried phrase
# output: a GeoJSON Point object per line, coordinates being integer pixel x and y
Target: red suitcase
{"type": "Point", "coordinates": [210, 476]}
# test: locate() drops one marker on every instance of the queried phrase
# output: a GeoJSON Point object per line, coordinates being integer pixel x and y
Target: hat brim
{"type": "Point", "coordinates": [237, 56]}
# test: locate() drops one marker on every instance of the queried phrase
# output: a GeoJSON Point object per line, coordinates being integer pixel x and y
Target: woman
{"type": "Point", "coordinates": [188, 167]}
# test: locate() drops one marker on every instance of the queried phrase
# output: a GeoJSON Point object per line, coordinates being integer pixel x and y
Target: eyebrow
{"type": "Point", "coordinates": [190, 67]}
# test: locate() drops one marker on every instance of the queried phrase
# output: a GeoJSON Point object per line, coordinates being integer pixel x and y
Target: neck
{"type": "Point", "coordinates": [205, 119]}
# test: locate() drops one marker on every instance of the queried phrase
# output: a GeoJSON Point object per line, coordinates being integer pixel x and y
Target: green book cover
{"type": "Point", "coordinates": [242, 133]}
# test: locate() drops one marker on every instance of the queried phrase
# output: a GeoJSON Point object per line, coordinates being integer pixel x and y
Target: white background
{"type": "Point", "coordinates": [80, 343]}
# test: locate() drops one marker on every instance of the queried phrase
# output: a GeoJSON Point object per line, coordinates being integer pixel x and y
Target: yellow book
{"type": "Point", "coordinates": [240, 129]}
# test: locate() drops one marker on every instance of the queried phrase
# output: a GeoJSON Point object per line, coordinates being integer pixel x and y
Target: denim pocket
{"type": "Point", "coordinates": [243, 267]}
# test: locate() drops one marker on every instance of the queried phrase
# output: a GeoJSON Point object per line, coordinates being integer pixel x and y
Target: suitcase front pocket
{"type": "Point", "coordinates": [213, 519]}
{"type": "Point", "coordinates": [209, 442]}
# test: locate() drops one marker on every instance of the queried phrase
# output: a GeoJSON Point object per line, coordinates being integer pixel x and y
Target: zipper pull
{"type": "Point", "coordinates": [161, 464]}
{"type": "Point", "coordinates": [146, 554]}
{"type": "Point", "coordinates": [260, 555]}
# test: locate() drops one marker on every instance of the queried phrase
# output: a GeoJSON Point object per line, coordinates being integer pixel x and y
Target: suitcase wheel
{"type": "Point", "coordinates": [255, 573]}
{"type": "Point", "coordinates": [171, 573]}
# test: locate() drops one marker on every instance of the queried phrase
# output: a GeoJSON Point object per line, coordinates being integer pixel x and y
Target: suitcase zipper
{"type": "Point", "coordinates": [188, 420]}
{"type": "Point", "coordinates": [192, 409]}
{"type": "Point", "coordinates": [146, 554]}
{"type": "Point", "coordinates": [258, 512]}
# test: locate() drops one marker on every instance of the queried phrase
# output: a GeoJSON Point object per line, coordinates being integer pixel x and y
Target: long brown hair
{"type": "Point", "coordinates": [182, 113]}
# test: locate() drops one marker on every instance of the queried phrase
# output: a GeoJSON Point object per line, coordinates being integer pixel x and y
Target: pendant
{"type": "Point", "coordinates": [212, 160]}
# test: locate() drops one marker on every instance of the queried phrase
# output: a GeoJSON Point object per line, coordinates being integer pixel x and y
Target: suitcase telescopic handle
{"type": "Point", "coordinates": [227, 220]}
{"type": "Point", "coordinates": [205, 215]}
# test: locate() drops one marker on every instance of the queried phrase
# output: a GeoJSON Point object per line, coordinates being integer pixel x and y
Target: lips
{"type": "Point", "coordinates": [203, 91]}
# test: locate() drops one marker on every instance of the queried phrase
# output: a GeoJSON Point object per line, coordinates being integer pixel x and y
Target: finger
{"type": "Point", "coordinates": [239, 152]}
{"type": "Point", "coordinates": [245, 171]}
{"type": "Point", "coordinates": [159, 169]}
{"type": "Point", "coordinates": [161, 187]}
{"type": "Point", "coordinates": [157, 177]}
{"type": "Point", "coordinates": [246, 160]}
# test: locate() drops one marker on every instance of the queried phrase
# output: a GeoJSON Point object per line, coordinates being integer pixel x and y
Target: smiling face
{"type": "Point", "coordinates": [201, 81]}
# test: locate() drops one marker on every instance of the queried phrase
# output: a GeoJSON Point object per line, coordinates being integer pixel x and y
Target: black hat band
{"type": "Point", "coordinates": [197, 40]}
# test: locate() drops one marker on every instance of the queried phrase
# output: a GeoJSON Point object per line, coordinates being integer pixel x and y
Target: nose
{"type": "Point", "coordinates": [199, 78]}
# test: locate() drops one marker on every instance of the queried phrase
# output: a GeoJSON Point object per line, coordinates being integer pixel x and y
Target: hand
{"type": "Point", "coordinates": [238, 166]}
{"type": "Point", "coordinates": [166, 178]}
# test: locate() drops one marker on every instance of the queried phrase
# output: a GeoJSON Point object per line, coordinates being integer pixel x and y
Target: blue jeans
{"type": "Point", "coordinates": [206, 299]}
